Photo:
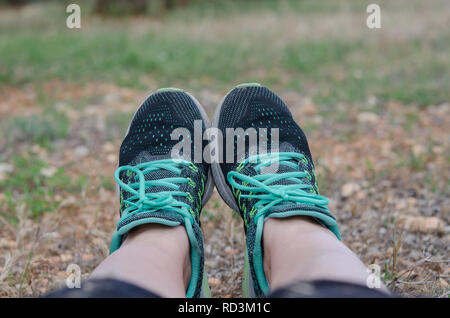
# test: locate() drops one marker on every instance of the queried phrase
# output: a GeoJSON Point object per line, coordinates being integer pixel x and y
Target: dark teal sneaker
{"type": "Point", "coordinates": [154, 186]}
{"type": "Point", "coordinates": [266, 183]}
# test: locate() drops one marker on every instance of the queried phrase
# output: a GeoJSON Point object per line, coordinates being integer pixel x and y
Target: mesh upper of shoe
{"type": "Point", "coordinates": [149, 139]}
{"type": "Point", "coordinates": [258, 107]}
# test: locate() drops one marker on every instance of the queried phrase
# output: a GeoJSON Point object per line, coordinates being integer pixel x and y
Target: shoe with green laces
{"type": "Point", "coordinates": [253, 187]}
{"type": "Point", "coordinates": [156, 188]}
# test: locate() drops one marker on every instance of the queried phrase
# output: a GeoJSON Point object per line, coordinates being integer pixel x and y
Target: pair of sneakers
{"type": "Point", "coordinates": [156, 187]}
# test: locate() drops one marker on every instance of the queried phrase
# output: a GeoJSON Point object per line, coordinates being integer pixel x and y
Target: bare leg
{"type": "Point", "coordinates": [154, 257]}
{"type": "Point", "coordinates": [299, 249]}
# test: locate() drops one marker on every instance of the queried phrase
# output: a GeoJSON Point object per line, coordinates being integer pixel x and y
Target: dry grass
{"type": "Point", "coordinates": [376, 157]}
{"type": "Point", "coordinates": [384, 164]}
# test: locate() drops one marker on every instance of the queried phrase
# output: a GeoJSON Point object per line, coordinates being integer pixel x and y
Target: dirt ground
{"type": "Point", "coordinates": [374, 105]}
{"type": "Point", "coordinates": [387, 184]}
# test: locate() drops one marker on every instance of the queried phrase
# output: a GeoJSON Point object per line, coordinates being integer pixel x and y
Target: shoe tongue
{"type": "Point", "coordinates": [282, 168]}
{"type": "Point", "coordinates": [154, 175]}
{"type": "Point", "coordinates": [159, 216]}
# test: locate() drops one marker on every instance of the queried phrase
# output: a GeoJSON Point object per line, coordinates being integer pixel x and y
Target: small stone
{"type": "Point", "coordinates": [308, 108]}
{"type": "Point", "coordinates": [418, 150]}
{"type": "Point", "coordinates": [349, 189]}
{"type": "Point", "coordinates": [111, 98]}
{"type": "Point", "coordinates": [318, 120]}
{"type": "Point", "coordinates": [81, 151]}
{"type": "Point", "coordinates": [368, 118]}
{"type": "Point", "coordinates": [372, 101]}
{"type": "Point", "coordinates": [66, 257]}
{"type": "Point", "coordinates": [51, 235]}
{"type": "Point", "coordinates": [401, 204]}
{"type": "Point", "coordinates": [443, 283]}
{"type": "Point", "coordinates": [48, 172]}
{"type": "Point", "coordinates": [229, 251]}
{"type": "Point", "coordinates": [87, 257]}
{"type": "Point", "coordinates": [411, 201]}
{"type": "Point", "coordinates": [5, 243]}
{"type": "Point", "coordinates": [213, 282]}
{"type": "Point", "coordinates": [6, 168]}
{"type": "Point", "coordinates": [108, 147]}
{"type": "Point", "coordinates": [111, 158]}
{"type": "Point", "coordinates": [438, 150]}
{"type": "Point", "coordinates": [430, 225]}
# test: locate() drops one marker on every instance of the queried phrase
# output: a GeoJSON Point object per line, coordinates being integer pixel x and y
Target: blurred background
{"type": "Point", "coordinates": [374, 104]}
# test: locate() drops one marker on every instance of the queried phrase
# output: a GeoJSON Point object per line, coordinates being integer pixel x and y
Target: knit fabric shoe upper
{"type": "Point", "coordinates": [277, 183]}
{"type": "Point", "coordinates": [154, 187]}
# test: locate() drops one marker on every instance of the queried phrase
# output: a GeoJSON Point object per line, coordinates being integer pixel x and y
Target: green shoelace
{"type": "Point", "coordinates": [141, 200]}
{"type": "Point", "coordinates": [267, 194]}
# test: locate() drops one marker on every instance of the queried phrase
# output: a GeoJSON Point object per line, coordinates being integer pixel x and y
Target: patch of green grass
{"type": "Point", "coordinates": [224, 8]}
{"type": "Point", "coordinates": [37, 128]}
{"type": "Point", "coordinates": [208, 214]}
{"type": "Point", "coordinates": [117, 57]}
{"type": "Point", "coordinates": [412, 120]}
{"type": "Point", "coordinates": [309, 127]}
{"type": "Point", "coordinates": [324, 181]}
{"type": "Point", "coordinates": [107, 182]}
{"type": "Point", "coordinates": [414, 162]}
{"type": "Point", "coordinates": [311, 58]}
{"type": "Point", "coordinates": [331, 70]}
{"type": "Point", "coordinates": [29, 184]}
{"type": "Point", "coordinates": [424, 84]}
{"type": "Point", "coordinates": [388, 275]}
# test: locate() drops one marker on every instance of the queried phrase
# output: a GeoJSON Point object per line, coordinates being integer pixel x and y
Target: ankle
{"type": "Point", "coordinates": [161, 241]}
{"type": "Point", "coordinates": [285, 236]}
{"type": "Point", "coordinates": [288, 229]}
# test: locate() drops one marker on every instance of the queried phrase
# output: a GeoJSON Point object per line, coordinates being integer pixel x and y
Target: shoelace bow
{"type": "Point", "coordinates": [141, 200]}
{"type": "Point", "coordinates": [267, 194]}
